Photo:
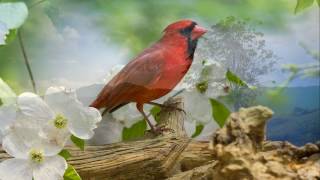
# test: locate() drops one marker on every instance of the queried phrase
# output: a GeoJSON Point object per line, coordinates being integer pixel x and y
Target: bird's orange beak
{"type": "Point", "coordinates": [197, 32]}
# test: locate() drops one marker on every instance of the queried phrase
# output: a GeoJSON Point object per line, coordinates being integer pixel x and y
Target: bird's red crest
{"type": "Point", "coordinates": [178, 25]}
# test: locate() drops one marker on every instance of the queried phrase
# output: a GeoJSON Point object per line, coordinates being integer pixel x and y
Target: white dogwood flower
{"type": "Point", "coordinates": [37, 129]}
{"type": "Point", "coordinates": [33, 156]}
{"type": "Point", "coordinates": [60, 113]}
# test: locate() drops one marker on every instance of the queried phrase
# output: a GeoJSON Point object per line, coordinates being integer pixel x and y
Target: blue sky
{"type": "Point", "coordinates": [301, 28]}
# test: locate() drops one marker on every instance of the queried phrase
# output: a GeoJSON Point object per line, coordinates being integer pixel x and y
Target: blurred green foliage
{"type": "Point", "coordinates": [138, 23]}
{"type": "Point", "coordinates": [132, 25]}
{"type": "Point", "coordinates": [303, 4]}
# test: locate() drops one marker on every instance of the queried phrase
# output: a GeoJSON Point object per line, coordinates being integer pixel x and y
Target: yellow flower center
{"type": "Point", "coordinates": [36, 156]}
{"type": "Point", "coordinates": [60, 121]}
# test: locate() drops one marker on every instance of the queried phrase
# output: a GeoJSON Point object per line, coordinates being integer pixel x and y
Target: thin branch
{"type": "Point", "coordinates": [26, 61]}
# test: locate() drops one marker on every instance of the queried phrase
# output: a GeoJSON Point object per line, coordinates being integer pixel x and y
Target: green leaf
{"type": "Point", "coordinates": [293, 68]}
{"type": "Point", "coordinates": [198, 131]}
{"type": "Point", "coordinates": [7, 95]}
{"type": "Point", "coordinates": [13, 14]}
{"type": "Point", "coordinates": [318, 1]}
{"type": "Point", "coordinates": [135, 131]}
{"type": "Point", "coordinates": [78, 142]}
{"type": "Point", "coordinates": [303, 4]}
{"type": "Point", "coordinates": [155, 112]}
{"type": "Point", "coordinates": [11, 36]}
{"type": "Point", "coordinates": [220, 112]}
{"type": "Point", "coordinates": [71, 174]}
{"type": "Point", "coordinates": [235, 79]}
{"type": "Point", "coordinates": [65, 154]}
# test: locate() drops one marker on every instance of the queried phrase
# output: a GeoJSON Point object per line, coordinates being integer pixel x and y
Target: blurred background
{"type": "Point", "coordinates": [76, 43]}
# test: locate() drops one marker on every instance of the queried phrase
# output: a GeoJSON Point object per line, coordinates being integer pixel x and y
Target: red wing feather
{"type": "Point", "coordinates": [132, 79]}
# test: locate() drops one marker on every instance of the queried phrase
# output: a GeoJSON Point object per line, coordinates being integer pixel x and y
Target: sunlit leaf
{"type": "Point", "coordinates": [155, 112]}
{"type": "Point", "coordinates": [293, 68]}
{"type": "Point", "coordinates": [78, 142]}
{"type": "Point", "coordinates": [71, 174]}
{"type": "Point", "coordinates": [253, 87]}
{"type": "Point", "coordinates": [7, 95]}
{"type": "Point", "coordinates": [13, 14]}
{"type": "Point", "coordinates": [135, 131]}
{"type": "Point", "coordinates": [235, 79]}
{"type": "Point", "coordinates": [198, 131]}
{"type": "Point", "coordinates": [303, 4]}
{"type": "Point", "coordinates": [220, 112]}
{"type": "Point", "coordinates": [11, 36]}
{"type": "Point", "coordinates": [65, 154]}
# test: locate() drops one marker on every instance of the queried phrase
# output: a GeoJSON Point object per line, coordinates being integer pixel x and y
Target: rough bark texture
{"type": "Point", "coordinates": [237, 151]}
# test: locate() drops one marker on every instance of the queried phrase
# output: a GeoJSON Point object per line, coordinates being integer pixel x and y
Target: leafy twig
{"type": "Point", "coordinates": [26, 61]}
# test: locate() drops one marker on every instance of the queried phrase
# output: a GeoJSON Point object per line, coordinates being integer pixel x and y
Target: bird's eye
{"type": "Point", "coordinates": [187, 31]}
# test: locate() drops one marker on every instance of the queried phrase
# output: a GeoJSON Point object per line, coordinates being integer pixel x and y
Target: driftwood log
{"type": "Point", "coordinates": [237, 151]}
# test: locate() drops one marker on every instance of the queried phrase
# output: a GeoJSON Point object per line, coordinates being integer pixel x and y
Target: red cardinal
{"type": "Point", "coordinates": [154, 72]}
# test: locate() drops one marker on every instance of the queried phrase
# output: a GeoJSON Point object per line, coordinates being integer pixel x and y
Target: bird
{"type": "Point", "coordinates": [154, 72]}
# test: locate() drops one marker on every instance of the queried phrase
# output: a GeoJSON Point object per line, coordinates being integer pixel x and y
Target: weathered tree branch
{"type": "Point", "coordinates": [150, 158]}
{"type": "Point", "coordinates": [236, 151]}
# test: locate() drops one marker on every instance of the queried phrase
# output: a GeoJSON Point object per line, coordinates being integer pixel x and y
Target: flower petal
{"type": "Point", "coordinates": [109, 131]}
{"type": "Point", "coordinates": [7, 117]}
{"type": "Point", "coordinates": [33, 107]}
{"type": "Point", "coordinates": [54, 139]}
{"type": "Point", "coordinates": [128, 114]}
{"type": "Point", "coordinates": [25, 135]}
{"type": "Point", "coordinates": [20, 139]}
{"type": "Point", "coordinates": [52, 168]}
{"type": "Point", "coordinates": [7, 95]}
{"type": "Point", "coordinates": [81, 119]}
{"type": "Point", "coordinates": [17, 169]}
{"type": "Point", "coordinates": [202, 111]}
{"type": "Point", "coordinates": [13, 14]}
{"type": "Point", "coordinates": [59, 99]}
